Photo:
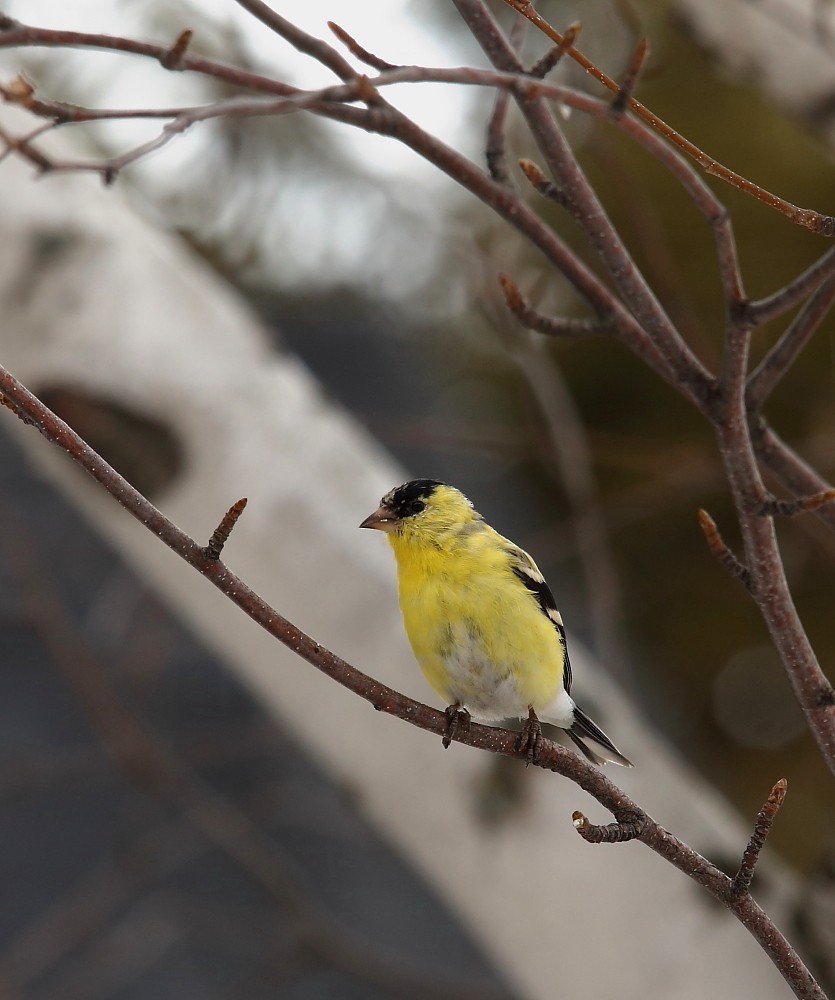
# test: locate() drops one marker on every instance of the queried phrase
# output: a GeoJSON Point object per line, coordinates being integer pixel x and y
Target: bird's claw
{"type": "Point", "coordinates": [457, 718]}
{"type": "Point", "coordinates": [530, 739]}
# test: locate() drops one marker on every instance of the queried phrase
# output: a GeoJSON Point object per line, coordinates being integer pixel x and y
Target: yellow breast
{"type": "Point", "coordinates": [477, 632]}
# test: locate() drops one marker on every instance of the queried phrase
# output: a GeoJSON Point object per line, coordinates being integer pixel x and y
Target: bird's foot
{"type": "Point", "coordinates": [530, 739]}
{"type": "Point", "coordinates": [457, 718]}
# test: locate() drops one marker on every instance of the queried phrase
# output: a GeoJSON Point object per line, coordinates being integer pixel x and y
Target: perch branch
{"type": "Point", "coordinates": [385, 699]}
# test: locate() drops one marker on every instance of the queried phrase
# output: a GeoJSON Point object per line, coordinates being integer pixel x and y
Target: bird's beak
{"type": "Point", "coordinates": [382, 519]}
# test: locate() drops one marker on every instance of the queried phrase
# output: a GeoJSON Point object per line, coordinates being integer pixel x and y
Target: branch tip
{"type": "Point", "coordinates": [791, 508]}
{"type": "Point", "coordinates": [741, 882]}
{"type": "Point", "coordinates": [356, 50]}
{"type": "Point", "coordinates": [543, 66]}
{"type": "Point", "coordinates": [224, 529]}
{"type": "Point", "coordinates": [719, 549]}
{"type": "Point", "coordinates": [173, 58]}
{"type": "Point", "coordinates": [551, 326]}
{"type": "Point", "coordinates": [630, 80]}
{"type": "Point", "coordinates": [541, 183]}
{"type": "Point", "coordinates": [620, 832]}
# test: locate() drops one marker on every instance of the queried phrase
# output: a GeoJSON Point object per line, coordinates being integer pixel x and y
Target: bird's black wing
{"type": "Point", "coordinates": [527, 571]}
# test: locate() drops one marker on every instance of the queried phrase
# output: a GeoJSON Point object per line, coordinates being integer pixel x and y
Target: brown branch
{"type": "Point", "coordinates": [630, 79]}
{"type": "Point", "coordinates": [173, 58]}
{"type": "Point", "coordinates": [793, 473]}
{"type": "Point", "coordinates": [303, 42]}
{"type": "Point", "coordinates": [385, 699]}
{"type": "Point", "coordinates": [356, 50]}
{"type": "Point", "coordinates": [587, 208]}
{"type": "Point", "coordinates": [701, 386]}
{"type": "Point", "coordinates": [773, 507]}
{"type": "Point", "coordinates": [719, 549]}
{"type": "Point", "coordinates": [783, 354]}
{"type": "Point", "coordinates": [495, 153]}
{"type": "Point", "coordinates": [824, 225]}
{"type": "Point", "coordinates": [18, 35]}
{"type": "Point", "coordinates": [553, 326]}
{"type": "Point", "coordinates": [542, 67]}
{"type": "Point", "coordinates": [542, 184]}
{"type": "Point", "coordinates": [795, 291]}
{"type": "Point", "coordinates": [222, 532]}
{"type": "Point", "coordinates": [762, 826]}
{"type": "Point", "coordinates": [620, 832]}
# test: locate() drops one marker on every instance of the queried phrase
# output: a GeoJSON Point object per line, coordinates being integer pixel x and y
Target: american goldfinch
{"type": "Point", "coordinates": [480, 617]}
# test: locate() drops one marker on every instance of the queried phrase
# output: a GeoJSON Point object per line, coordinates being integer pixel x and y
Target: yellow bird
{"type": "Point", "coordinates": [480, 618]}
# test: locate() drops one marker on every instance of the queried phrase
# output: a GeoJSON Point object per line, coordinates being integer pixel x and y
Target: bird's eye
{"type": "Point", "coordinates": [416, 506]}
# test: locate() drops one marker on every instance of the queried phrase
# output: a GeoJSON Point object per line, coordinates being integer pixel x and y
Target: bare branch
{"type": "Point", "coordinates": [788, 467]}
{"type": "Point", "coordinates": [553, 326]}
{"type": "Point", "coordinates": [824, 225]}
{"type": "Point", "coordinates": [547, 188]}
{"type": "Point", "coordinates": [630, 79]}
{"type": "Point", "coordinates": [795, 291]}
{"type": "Point", "coordinates": [542, 67]}
{"type": "Point", "coordinates": [495, 153]}
{"type": "Point", "coordinates": [317, 48]}
{"type": "Point", "coordinates": [784, 353]}
{"type": "Point", "coordinates": [587, 209]}
{"type": "Point", "coordinates": [762, 826]}
{"type": "Point", "coordinates": [18, 35]}
{"type": "Point", "coordinates": [773, 507]}
{"type": "Point", "coordinates": [357, 50]}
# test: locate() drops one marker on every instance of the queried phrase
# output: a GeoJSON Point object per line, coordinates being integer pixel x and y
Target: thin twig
{"type": "Point", "coordinates": [762, 826]}
{"type": "Point", "coordinates": [495, 153]}
{"type": "Point", "coordinates": [783, 354]}
{"type": "Point", "coordinates": [222, 532]}
{"type": "Point", "coordinates": [619, 832]}
{"type": "Point", "coordinates": [795, 291]}
{"type": "Point", "coordinates": [542, 184]}
{"type": "Point", "coordinates": [793, 473]}
{"type": "Point", "coordinates": [356, 50]}
{"type": "Point", "coordinates": [173, 58]}
{"type": "Point", "coordinates": [719, 549]}
{"type": "Point", "coordinates": [552, 326]}
{"type": "Point", "coordinates": [542, 67]}
{"type": "Point", "coordinates": [301, 40]}
{"type": "Point", "coordinates": [773, 507]}
{"type": "Point", "coordinates": [630, 79]}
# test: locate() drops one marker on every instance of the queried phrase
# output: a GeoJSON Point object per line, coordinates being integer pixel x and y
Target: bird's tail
{"type": "Point", "coordinates": [582, 729]}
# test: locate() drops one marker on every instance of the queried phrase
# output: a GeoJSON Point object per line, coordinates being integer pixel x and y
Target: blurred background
{"type": "Point", "coordinates": [379, 275]}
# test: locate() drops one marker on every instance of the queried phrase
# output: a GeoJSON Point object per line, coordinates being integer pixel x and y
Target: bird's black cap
{"type": "Point", "coordinates": [399, 500]}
